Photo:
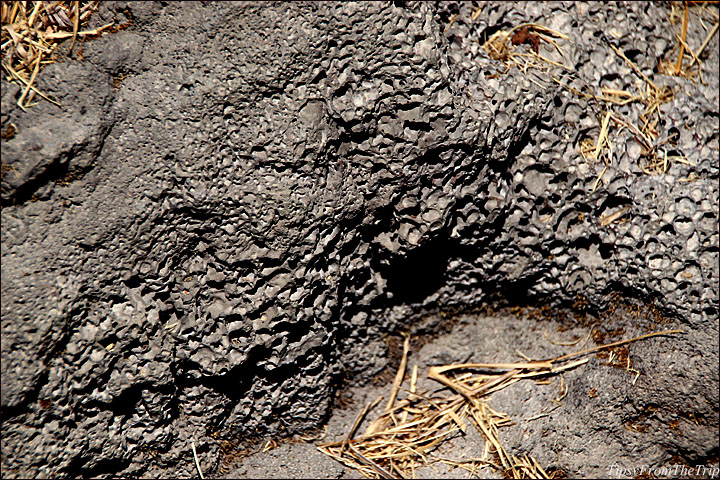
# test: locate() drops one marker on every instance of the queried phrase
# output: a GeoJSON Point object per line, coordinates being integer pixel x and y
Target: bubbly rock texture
{"type": "Point", "coordinates": [237, 202]}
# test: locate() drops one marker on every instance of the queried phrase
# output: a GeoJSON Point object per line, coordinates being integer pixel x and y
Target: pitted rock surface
{"type": "Point", "coordinates": [237, 202]}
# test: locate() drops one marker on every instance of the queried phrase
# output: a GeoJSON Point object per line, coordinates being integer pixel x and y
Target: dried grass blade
{"type": "Point", "coordinates": [551, 62]}
{"type": "Point", "coordinates": [490, 437]}
{"type": "Point", "coordinates": [553, 370]}
{"type": "Point", "coordinates": [76, 26]}
{"type": "Point", "coordinates": [31, 20]}
{"type": "Point", "coordinates": [358, 420]}
{"type": "Point", "coordinates": [634, 67]}
{"type": "Point", "coordinates": [374, 466]}
{"type": "Point", "coordinates": [458, 420]}
{"type": "Point", "coordinates": [646, 142]}
{"type": "Point", "coordinates": [399, 376]}
{"type": "Point", "coordinates": [492, 366]}
{"type": "Point", "coordinates": [30, 82]}
{"type": "Point", "coordinates": [17, 76]}
{"type": "Point", "coordinates": [615, 344]}
{"type": "Point", "coordinates": [678, 65]}
{"type": "Point", "coordinates": [606, 220]}
{"type": "Point", "coordinates": [706, 41]}
{"type": "Point", "coordinates": [597, 180]}
{"type": "Point", "coordinates": [501, 380]}
{"type": "Point", "coordinates": [603, 135]}
{"type": "Point", "coordinates": [62, 35]}
{"type": "Point", "coordinates": [413, 387]}
{"type": "Point", "coordinates": [16, 38]}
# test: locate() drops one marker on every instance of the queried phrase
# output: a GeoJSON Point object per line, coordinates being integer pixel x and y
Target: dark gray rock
{"type": "Point", "coordinates": [203, 251]}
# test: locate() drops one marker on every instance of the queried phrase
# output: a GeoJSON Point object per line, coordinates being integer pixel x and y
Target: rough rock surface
{"type": "Point", "coordinates": [237, 202]}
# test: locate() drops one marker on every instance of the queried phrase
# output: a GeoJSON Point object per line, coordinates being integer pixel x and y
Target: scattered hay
{"type": "Point", "coordinates": [30, 33]}
{"type": "Point", "coordinates": [407, 433]}
{"type": "Point", "coordinates": [655, 157]}
{"type": "Point", "coordinates": [667, 65]}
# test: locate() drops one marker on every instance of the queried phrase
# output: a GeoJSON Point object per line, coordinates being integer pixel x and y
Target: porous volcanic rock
{"type": "Point", "coordinates": [236, 202]}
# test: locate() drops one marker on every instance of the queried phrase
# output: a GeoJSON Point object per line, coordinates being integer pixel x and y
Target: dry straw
{"type": "Point", "coordinates": [197, 462]}
{"type": "Point", "coordinates": [406, 435]}
{"type": "Point", "coordinates": [654, 157]}
{"type": "Point", "coordinates": [649, 99]}
{"type": "Point", "coordinates": [504, 46]}
{"type": "Point", "coordinates": [30, 33]}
